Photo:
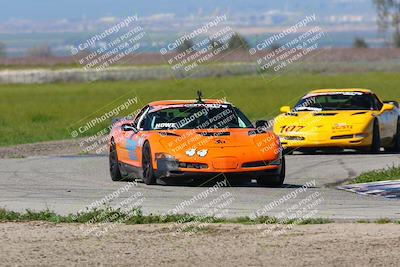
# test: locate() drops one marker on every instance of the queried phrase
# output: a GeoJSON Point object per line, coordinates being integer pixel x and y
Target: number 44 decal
{"type": "Point", "coordinates": [292, 128]}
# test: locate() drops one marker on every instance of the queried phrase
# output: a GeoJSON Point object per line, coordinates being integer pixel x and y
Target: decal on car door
{"type": "Point", "coordinates": [131, 147]}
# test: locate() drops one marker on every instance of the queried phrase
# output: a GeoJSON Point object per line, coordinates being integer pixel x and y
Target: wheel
{"type": "Point", "coordinates": [396, 140]}
{"type": "Point", "coordinates": [376, 139]}
{"type": "Point", "coordinates": [396, 147]}
{"type": "Point", "coordinates": [274, 181]}
{"type": "Point", "coordinates": [147, 165]}
{"type": "Point", "coordinates": [113, 159]}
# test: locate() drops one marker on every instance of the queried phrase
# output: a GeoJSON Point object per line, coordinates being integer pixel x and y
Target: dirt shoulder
{"type": "Point", "coordinates": [38, 243]}
{"type": "Point", "coordinates": [62, 147]}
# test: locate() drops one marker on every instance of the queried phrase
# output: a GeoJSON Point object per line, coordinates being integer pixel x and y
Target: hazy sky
{"type": "Point", "coordinates": [70, 9]}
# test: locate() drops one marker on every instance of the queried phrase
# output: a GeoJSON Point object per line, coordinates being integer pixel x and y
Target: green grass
{"type": "Point", "coordinates": [390, 173]}
{"type": "Point", "coordinates": [40, 66]}
{"type": "Point", "coordinates": [383, 221]}
{"type": "Point", "coordinates": [107, 214]}
{"type": "Point", "coordinates": [34, 113]}
{"type": "Point", "coordinates": [96, 216]}
{"type": "Point", "coordinates": [62, 66]}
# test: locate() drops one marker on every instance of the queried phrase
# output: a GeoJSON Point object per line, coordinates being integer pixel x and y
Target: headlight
{"type": "Point", "coordinates": [191, 152]}
{"type": "Point", "coordinates": [164, 156]}
{"type": "Point", "coordinates": [202, 153]}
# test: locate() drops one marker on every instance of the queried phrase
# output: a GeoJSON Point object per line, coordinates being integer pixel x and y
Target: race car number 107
{"type": "Point", "coordinates": [291, 128]}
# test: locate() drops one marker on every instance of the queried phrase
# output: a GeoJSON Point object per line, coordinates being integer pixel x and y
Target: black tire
{"type": "Point", "coordinates": [147, 165]}
{"type": "Point", "coordinates": [396, 147]}
{"type": "Point", "coordinates": [376, 139]}
{"type": "Point", "coordinates": [113, 161]}
{"type": "Point", "coordinates": [274, 181]}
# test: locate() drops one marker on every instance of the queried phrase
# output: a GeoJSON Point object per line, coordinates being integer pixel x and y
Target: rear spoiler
{"type": "Point", "coordinates": [392, 102]}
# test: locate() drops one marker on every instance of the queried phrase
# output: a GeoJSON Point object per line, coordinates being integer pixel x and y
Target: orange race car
{"type": "Point", "coordinates": [188, 139]}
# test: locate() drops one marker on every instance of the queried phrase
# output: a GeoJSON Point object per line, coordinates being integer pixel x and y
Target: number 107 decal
{"type": "Point", "coordinates": [291, 128]}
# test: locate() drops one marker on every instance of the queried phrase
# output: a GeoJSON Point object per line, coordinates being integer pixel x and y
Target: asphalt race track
{"type": "Point", "coordinates": [67, 184]}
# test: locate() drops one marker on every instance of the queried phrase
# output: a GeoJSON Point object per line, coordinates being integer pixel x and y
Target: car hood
{"type": "Point", "coordinates": [322, 120]}
{"type": "Point", "coordinates": [187, 139]}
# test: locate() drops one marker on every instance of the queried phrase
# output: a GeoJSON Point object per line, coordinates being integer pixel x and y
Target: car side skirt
{"type": "Point", "coordinates": [130, 170]}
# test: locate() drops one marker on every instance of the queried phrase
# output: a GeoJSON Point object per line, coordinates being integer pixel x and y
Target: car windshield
{"type": "Point", "coordinates": [197, 116]}
{"type": "Point", "coordinates": [336, 101]}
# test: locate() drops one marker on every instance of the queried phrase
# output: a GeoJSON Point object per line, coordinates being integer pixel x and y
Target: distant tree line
{"type": "Point", "coordinates": [237, 41]}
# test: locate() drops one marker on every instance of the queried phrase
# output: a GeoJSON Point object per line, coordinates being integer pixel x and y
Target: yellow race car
{"type": "Point", "coordinates": [339, 119]}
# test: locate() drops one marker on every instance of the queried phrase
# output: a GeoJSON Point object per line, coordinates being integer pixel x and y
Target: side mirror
{"type": "Point", "coordinates": [262, 123]}
{"type": "Point", "coordinates": [286, 109]}
{"type": "Point", "coordinates": [387, 107]}
{"type": "Point", "coordinates": [128, 128]}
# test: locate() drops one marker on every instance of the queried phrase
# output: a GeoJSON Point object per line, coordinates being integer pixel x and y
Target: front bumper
{"type": "Point", "coordinates": [348, 140]}
{"type": "Point", "coordinates": [168, 168]}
